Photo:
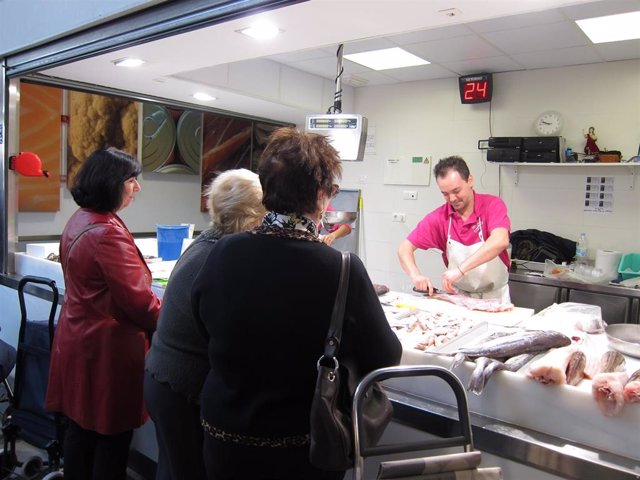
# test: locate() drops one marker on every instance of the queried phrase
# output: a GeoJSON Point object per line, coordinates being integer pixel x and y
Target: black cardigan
{"type": "Point", "coordinates": [266, 303]}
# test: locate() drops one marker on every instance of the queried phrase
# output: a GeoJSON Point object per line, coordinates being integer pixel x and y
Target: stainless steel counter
{"type": "Point", "coordinates": [618, 304]}
{"type": "Point", "coordinates": [538, 450]}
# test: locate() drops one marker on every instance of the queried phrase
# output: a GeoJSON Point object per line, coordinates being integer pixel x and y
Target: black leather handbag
{"type": "Point", "coordinates": [332, 441]}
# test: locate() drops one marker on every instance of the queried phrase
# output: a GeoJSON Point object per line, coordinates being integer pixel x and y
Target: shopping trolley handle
{"type": "Point", "coordinates": [464, 439]}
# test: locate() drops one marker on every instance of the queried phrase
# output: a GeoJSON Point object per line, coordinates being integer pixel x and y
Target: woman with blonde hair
{"type": "Point", "coordinates": [177, 363]}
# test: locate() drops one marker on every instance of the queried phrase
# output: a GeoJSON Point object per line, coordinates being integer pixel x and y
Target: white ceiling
{"type": "Point", "coordinates": [485, 36]}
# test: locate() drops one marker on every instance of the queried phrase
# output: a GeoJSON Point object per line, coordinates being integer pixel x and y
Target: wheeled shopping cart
{"type": "Point", "coordinates": [26, 417]}
{"type": "Point", "coordinates": [438, 466]}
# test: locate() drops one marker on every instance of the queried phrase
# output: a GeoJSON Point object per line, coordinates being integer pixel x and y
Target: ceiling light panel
{"type": "Point", "coordinates": [386, 59]}
{"type": "Point", "coordinates": [612, 28]}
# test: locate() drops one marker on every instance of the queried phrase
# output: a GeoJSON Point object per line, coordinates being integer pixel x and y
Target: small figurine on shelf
{"type": "Point", "coordinates": [591, 147]}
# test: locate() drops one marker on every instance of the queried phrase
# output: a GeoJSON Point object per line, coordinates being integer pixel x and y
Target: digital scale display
{"type": "Point", "coordinates": [316, 122]}
{"type": "Point", "coordinates": [477, 88]}
{"type": "Point", "coordinates": [348, 132]}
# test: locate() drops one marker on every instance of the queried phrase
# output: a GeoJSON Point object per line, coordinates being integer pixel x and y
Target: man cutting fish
{"type": "Point", "coordinates": [472, 231]}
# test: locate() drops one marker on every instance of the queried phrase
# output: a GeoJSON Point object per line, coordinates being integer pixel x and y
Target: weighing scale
{"type": "Point", "coordinates": [348, 132]}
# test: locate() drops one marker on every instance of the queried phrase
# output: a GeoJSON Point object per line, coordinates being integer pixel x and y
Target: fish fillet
{"type": "Point", "coordinates": [632, 388]}
{"type": "Point", "coordinates": [561, 366]}
{"type": "Point", "coordinates": [608, 391]}
{"type": "Point", "coordinates": [480, 304]}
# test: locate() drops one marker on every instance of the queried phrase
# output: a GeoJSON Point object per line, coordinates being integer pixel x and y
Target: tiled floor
{"type": "Point", "coordinates": [24, 452]}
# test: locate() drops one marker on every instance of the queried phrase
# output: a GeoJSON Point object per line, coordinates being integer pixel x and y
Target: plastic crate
{"type": "Point", "coordinates": [629, 266]}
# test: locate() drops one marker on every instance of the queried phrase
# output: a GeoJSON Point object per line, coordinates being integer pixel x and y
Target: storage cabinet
{"type": "Point", "coordinates": [618, 304]}
{"type": "Point", "coordinates": [534, 295]}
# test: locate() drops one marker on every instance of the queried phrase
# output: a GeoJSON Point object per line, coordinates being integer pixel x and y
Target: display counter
{"type": "Point", "coordinates": [558, 429]}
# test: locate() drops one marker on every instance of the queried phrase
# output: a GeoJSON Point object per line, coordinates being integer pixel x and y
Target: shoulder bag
{"type": "Point", "coordinates": [330, 421]}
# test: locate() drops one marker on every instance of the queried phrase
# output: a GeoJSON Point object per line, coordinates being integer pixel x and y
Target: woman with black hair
{"type": "Point", "coordinates": [109, 311]}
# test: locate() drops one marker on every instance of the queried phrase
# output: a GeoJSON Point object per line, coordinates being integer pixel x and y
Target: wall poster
{"type": "Point", "coordinates": [40, 111]}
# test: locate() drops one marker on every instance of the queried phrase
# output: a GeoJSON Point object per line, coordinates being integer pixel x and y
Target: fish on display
{"type": "Point", "coordinates": [607, 386]}
{"type": "Point", "coordinates": [561, 366]}
{"type": "Point", "coordinates": [526, 341]}
{"type": "Point", "coordinates": [481, 375]}
{"type": "Point", "coordinates": [631, 390]}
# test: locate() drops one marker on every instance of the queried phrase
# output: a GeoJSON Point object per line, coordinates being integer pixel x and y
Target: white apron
{"type": "Point", "coordinates": [489, 280]}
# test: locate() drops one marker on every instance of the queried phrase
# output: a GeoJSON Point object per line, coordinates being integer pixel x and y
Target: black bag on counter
{"type": "Point", "coordinates": [332, 439]}
{"type": "Point", "coordinates": [538, 246]}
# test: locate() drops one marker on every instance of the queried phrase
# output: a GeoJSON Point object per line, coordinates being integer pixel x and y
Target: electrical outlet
{"type": "Point", "coordinates": [410, 195]}
{"type": "Point", "coordinates": [399, 217]}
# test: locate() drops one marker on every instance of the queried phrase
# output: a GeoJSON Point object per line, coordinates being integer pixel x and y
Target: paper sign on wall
{"type": "Point", "coordinates": [598, 195]}
{"type": "Point", "coordinates": [414, 170]}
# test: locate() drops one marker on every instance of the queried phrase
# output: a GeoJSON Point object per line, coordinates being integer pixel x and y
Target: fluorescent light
{"type": "Point", "coordinates": [128, 62]}
{"type": "Point", "coordinates": [612, 28]}
{"type": "Point", "coordinates": [203, 97]}
{"type": "Point", "coordinates": [261, 30]}
{"type": "Point", "coordinates": [386, 59]}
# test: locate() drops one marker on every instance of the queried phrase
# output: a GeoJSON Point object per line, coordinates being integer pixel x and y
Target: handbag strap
{"type": "Point", "coordinates": [332, 343]}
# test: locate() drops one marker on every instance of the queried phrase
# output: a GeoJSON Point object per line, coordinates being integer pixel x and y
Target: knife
{"type": "Point", "coordinates": [426, 292]}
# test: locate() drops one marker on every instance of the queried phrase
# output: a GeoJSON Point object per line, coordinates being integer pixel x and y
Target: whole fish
{"type": "Point", "coordinates": [475, 380]}
{"type": "Point", "coordinates": [513, 364]}
{"type": "Point", "coordinates": [522, 342]}
{"type": "Point", "coordinates": [460, 357]}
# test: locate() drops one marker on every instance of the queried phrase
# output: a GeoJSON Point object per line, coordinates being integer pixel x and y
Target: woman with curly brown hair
{"type": "Point", "coordinates": [265, 298]}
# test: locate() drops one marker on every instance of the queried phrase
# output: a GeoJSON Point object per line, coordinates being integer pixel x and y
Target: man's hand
{"type": "Point", "coordinates": [328, 239]}
{"type": "Point", "coordinates": [422, 283]}
{"type": "Point", "coordinates": [449, 277]}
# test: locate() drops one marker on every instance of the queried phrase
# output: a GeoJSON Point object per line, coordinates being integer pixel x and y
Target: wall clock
{"type": "Point", "coordinates": [549, 123]}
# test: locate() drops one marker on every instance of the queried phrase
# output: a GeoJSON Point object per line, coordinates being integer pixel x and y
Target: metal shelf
{"type": "Point", "coordinates": [568, 164]}
{"type": "Point", "coordinates": [516, 165]}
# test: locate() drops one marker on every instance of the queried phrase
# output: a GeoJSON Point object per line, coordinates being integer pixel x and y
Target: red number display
{"type": "Point", "coordinates": [476, 88]}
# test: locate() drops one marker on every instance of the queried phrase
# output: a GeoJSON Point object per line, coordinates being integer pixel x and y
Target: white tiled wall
{"type": "Point", "coordinates": [427, 119]}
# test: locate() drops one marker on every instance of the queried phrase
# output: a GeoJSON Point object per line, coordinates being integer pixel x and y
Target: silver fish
{"type": "Point", "coordinates": [476, 379]}
{"type": "Point", "coordinates": [513, 364]}
{"type": "Point", "coordinates": [522, 342]}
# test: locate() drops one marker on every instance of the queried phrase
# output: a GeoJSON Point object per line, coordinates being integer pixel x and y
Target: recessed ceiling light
{"type": "Point", "coordinates": [612, 28]}
{"type": "Point", "coordinates": [386, 59]}
{"type": "Point", "coordinates": [128, 62]}
{"type": "Point", "coordinates": [261, 30]}
{"type": "Point", "coordinates": [203, 97]}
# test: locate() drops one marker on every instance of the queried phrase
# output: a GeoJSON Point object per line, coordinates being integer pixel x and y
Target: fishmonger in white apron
{"type": "Point", "coordinates": [489, 280]}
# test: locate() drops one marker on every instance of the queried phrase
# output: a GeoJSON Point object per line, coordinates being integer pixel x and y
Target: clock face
{"type": "Point", "coordinates": [549, 123]}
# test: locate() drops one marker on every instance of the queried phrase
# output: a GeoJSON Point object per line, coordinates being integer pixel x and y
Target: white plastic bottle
{"type": "Point", "coordinates": [582, 249]}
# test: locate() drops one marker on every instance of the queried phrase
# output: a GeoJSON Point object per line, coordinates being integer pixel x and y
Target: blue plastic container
{"type": "Point", "coordinates": [170, 240]}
